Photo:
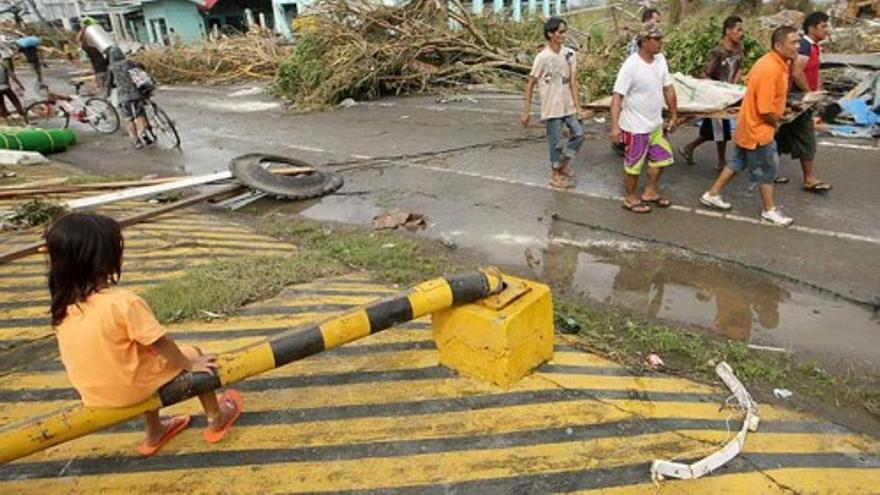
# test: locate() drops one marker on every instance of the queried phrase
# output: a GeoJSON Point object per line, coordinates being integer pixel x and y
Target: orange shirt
{"type": "Point", "coordinates": [766, 91]}
{"type": "Point", "coordinates": [104, 347]}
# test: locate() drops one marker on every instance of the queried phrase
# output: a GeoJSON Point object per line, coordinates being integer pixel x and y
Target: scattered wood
{"type": "Point", "coordinates": [133, 219]}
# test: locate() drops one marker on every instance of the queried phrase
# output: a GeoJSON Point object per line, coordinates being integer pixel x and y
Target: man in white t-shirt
{"type": "Point", "coordinates": [642, 86]}
{"type": "Point", "coordinates": [555, 73]}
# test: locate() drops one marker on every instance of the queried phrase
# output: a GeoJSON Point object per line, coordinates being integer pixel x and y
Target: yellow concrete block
{"type": "Point", "coordinates": [501, 338]}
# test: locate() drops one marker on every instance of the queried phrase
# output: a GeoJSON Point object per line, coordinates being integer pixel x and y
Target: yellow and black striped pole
{"type": "Point", "coordinates": [32, 435]}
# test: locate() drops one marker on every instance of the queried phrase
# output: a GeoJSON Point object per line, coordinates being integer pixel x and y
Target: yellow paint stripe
{"type": "Point", "coordinates": [195, 229]}
{"type": "Point", "coordinates": [299, 300]}
{"type": "Point", "coordinates": [428, 426]}
{"type": "Point", "coordinates": [145, 245]}
{"type": "Point", "coordinates": [578, 358]}
{"type": "Point", "coordinates": [127, 276]}
{"type": "Point", "coordinates": [802, 480]}
{"type": "Point", "coordinates": [317, 365]}
{"type": "Point", "coordinates": [351, 326]}
{"type": "Point", "coordinates": [389, 472]}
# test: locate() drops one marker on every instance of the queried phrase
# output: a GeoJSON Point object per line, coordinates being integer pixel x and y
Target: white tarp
{"type": "Point", "coordinates": [705, 95]}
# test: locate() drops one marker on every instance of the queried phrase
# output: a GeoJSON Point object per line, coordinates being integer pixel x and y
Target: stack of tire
{"type": "Point", "coordinates": [44, 141]}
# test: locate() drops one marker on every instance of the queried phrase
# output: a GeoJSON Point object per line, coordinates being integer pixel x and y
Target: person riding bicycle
{"type": "Point", "coordinates": [131, 90]}
{"type": "Point", "coordinates": [99, 62]}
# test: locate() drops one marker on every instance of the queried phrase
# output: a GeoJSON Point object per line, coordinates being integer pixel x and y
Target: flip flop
{"type": "Point", "coordinates": [639, 207]}
{"type": "Point", "coordinates": [232, 396]}
{"type": "Point", "coordinates": [817, 187]}
{"type": "Point", "coordinates": [561, 185]}
{"type": "Point", "coordinates": [658, 201]}
{"type": "Point", "coordinates": [180, 424]}
{"type": "Point", "coordinates": [688, 157]}
{"type": "Point", "coordinates": [781, 180]}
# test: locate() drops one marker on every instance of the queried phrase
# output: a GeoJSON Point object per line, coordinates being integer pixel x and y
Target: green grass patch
{"type": "Point", "coordinates": [695, 354]}
{"type": "Point", "coordinates": [393, 258]}
{"type": "Point", "coordinates": [223, 287]}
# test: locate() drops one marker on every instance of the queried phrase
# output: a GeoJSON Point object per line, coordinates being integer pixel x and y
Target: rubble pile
{"type": "Point", "coordinates": [363, 49]}
{"type": "Point", "coordinates": [252, 56]}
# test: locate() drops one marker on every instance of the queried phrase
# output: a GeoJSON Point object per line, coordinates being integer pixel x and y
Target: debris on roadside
{"type": "Point", "coordinates": [447, 241]}
{"type": "Point", "coordinates": [782, 393]}
{"type": "Point", "coordinates": [857, 113]}
{"type": "Point", "coordinates": [166, 197]}
{"type": "Point", "coordinates": [33, 213]}
{"type": "Point", "coordinates": [252, 56]}
{"type": "Point", "coordinates": [393, 219]}
{"type": "Point", "coordinates": [531, 260]}
{"type": "Point", "coordinates": [379, 49]}
{"type": "Point", "coordinates": [767, 348]}
{"type": "Point", "coordinates": [569, 325]}
{"type": "Point", "coordinates": [661, 469]}
{"type": "Point", "coordinates": [654, 362]}
{"type": "Point", "coordinates": [17, 157]}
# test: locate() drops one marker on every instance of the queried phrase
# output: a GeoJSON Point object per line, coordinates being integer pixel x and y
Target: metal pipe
{"type": "Point", "coordinates": [32, 435]}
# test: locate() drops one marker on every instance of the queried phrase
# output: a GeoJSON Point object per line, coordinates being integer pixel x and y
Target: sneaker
{"type": "Point", "coordinates": [776, 217]}
{"type": "Point", "coordinates": [715, 201]}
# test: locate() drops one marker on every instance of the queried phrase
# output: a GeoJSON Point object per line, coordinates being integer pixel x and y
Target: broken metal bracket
{"type": "Point", "coordinates": [661, 469]}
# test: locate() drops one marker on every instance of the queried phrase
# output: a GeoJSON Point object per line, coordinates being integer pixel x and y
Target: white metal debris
{"type": "Point", "coordinates": [661, 469]}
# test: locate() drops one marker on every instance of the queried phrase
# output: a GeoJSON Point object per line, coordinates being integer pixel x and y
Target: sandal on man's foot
{"type": "Point", "coordinates": [636, 207]}
{"type": "Point", "coordinates": [781, 180]}
{"type": "Point", "coordinates": [560, 184]}
{"type": "Point", "coordinates": [817, 187]}
{"type": "Point", "coordinates": [566, 171]}
{"type": "Point", "coordinates": [688, 157]}
{"type": "Point", "coordinates": [658, 201]}
{"type": "Point", "coordinates": [172, 427]}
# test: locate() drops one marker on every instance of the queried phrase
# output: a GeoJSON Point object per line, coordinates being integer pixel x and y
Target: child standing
{"type": "Point", "coordinates": [554, 71]}
{"type": "Point", "coordinates": [115, 352]}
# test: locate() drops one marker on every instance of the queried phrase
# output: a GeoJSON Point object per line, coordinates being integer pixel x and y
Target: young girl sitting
{"type": "Point", "coordinates": [115, 352]}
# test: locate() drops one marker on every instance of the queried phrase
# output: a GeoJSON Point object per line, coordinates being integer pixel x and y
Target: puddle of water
{"type": "Point", "coordinates": [734, 302]}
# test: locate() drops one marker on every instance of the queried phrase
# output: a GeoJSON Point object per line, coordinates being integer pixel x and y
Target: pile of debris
{"type": "Point", "coordinates": [857, 113]}
{"type": "Point", "coordinates": [363, 49]}
{"type": "Point", "coordinates": [255, 55]}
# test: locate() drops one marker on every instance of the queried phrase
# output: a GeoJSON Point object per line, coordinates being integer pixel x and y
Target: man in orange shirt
{"type": "Point", "coordinates": [756, 125]}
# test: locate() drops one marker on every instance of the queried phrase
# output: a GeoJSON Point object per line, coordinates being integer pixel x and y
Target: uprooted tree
{"type": "Point", "coordinates": [362, 49]}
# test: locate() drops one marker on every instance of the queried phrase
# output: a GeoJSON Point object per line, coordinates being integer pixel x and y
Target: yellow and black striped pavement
{"type": "Point", "coordinates": [155, 251]}
{"type": "Point", "coordinates": [380, 415]}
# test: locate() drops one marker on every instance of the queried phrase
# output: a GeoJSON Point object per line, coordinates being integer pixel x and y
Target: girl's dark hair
{"type": "Point", "coordinates": [552, 25]}
{"type": "Point", "coordinates": [85, 255]}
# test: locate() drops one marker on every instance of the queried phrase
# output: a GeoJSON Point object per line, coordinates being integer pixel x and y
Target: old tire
{"type": "Point", "coordinates": [250, 170]}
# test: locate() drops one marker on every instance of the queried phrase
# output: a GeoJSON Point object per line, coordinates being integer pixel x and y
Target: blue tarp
{"type": "Point", "coordinates": [860, 111]}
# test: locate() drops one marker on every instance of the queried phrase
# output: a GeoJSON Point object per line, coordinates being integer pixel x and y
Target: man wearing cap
{"type": "Point", "coordinates": [642, 86]}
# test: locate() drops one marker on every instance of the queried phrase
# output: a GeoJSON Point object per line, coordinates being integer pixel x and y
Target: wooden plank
{"type": "Point", "coordinates": [140, 192]}
{"type": "Point", "coordinates": [131, 220]}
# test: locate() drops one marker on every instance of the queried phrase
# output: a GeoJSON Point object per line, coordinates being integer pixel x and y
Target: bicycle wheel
{"type": "Point", "coordinates": [161, 127]}
{"type": "Point", "coordinates": [101, 115]}
{"type": "Point", "coordinates": [46, 114]}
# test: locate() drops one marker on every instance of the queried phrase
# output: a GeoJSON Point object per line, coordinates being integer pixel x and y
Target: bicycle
{"type": "Point", "coordinates": [160, 127]}
{"type": "Point", "coordinates": [56, 111]}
